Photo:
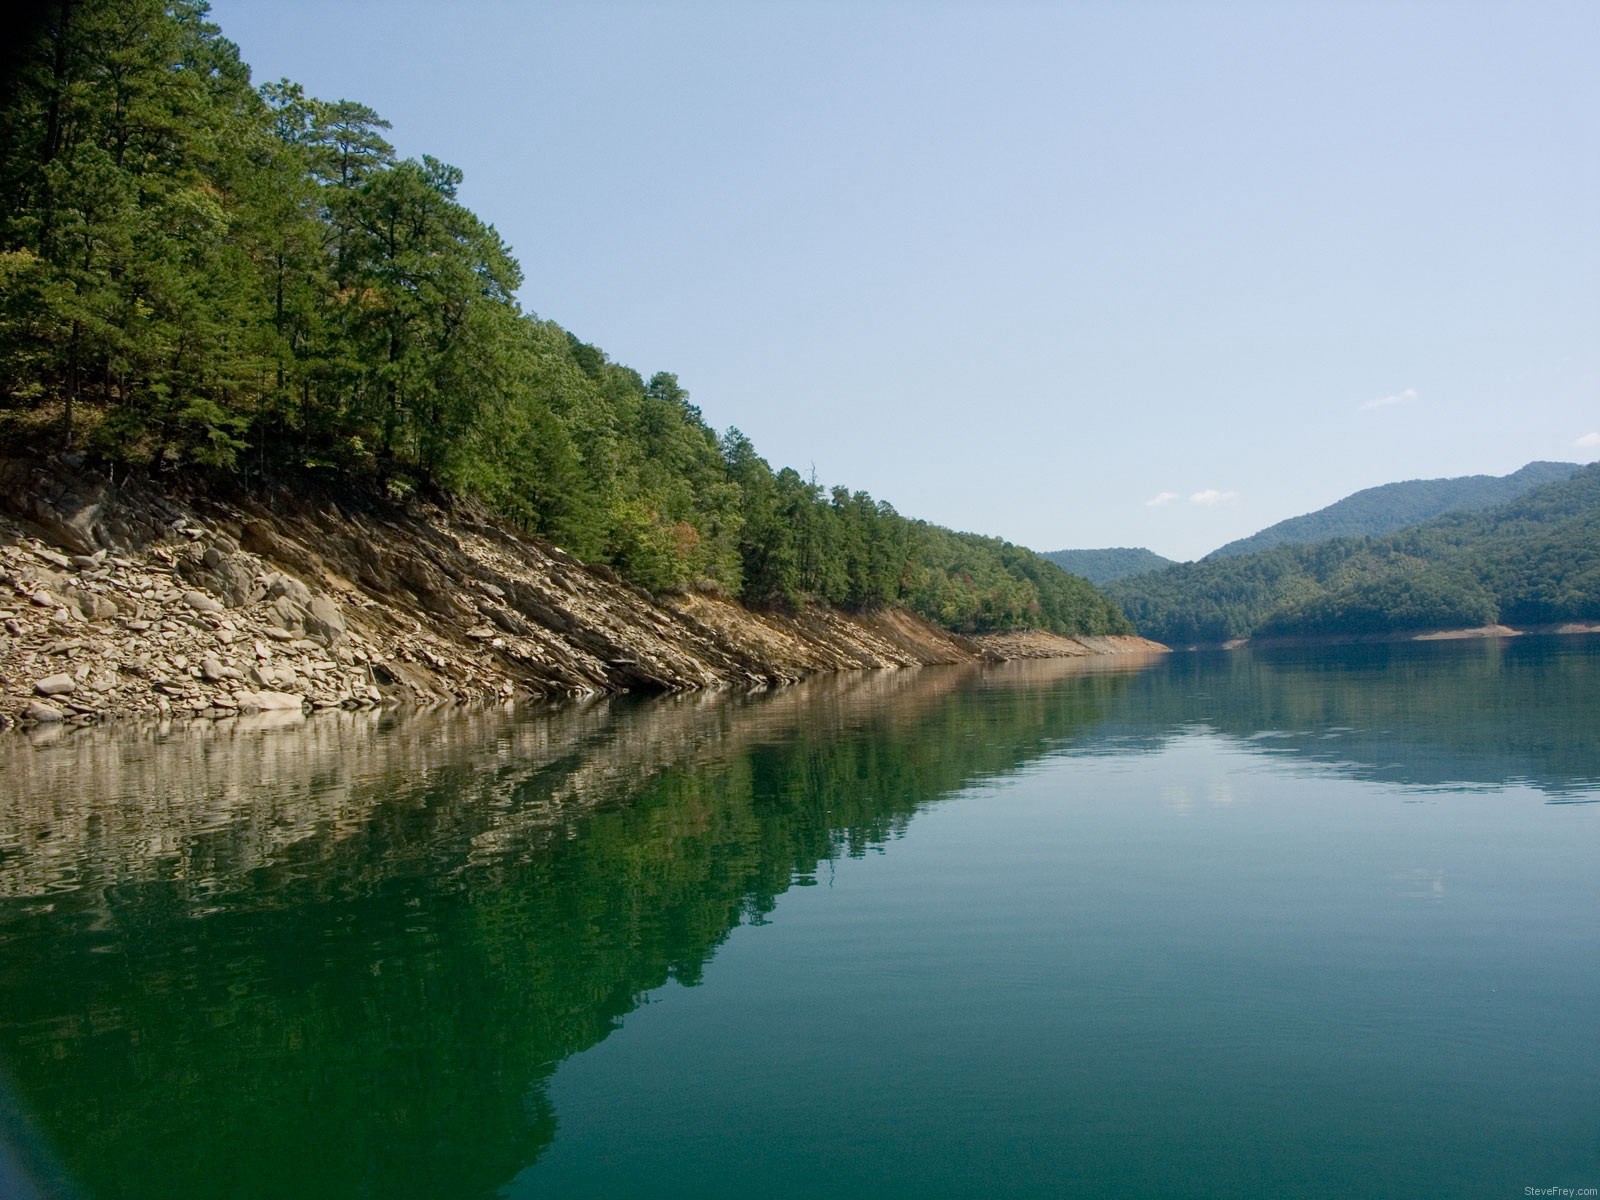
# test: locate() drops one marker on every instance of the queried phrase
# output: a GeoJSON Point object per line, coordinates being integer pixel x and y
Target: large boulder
{"type": "Point", "coordinates": [56, 685]}
{"type": "Point", "coordinates": [270, 702]}
{"type": "Point", "coordinates": [43, 713]}
{"type": "Point", "coordinates": [222, 571]}
{"type": "Point", "coordinates": [280, 585]}
{"type": "Point", "coordinates": [203, 603]}
{"type": "Point", "coordinates": [324, 620]}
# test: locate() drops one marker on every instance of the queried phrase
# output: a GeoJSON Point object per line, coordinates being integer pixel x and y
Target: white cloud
{"type": "Point", "coordinates": [1161, 498]}
{"type": "Point", "coordinates": [1211, 497]}
{"type": "Point", "coordinates": [1588, 440]}
{"type": "Point", "coordinates": [1404, 397]}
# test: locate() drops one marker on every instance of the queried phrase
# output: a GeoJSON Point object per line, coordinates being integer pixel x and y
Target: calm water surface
{"type": "Point", "coordinates": [1293, 924]}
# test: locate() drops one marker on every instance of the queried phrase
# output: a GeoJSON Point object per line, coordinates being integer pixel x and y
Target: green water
{"type": "Point", "coordinates": [1296, 924]}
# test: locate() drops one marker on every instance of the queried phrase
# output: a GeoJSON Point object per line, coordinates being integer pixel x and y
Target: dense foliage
{"type": "Point", "coordinates": [1398, 505]}
{"type": "Point", "coordinates": [1113, 562]}
{"type": "Point", "coordinates": [199, 274]}
{"type": "Point", "coordinates": [1535, 560]}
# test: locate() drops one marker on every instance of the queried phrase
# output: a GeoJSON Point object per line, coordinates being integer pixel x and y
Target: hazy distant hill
{"type": "Point", "coordinates": [1534, 560]}
{"type": "Point", "coordinates": [1395, 506]}
{"type": "Point", "coordinates": [1113, 562]}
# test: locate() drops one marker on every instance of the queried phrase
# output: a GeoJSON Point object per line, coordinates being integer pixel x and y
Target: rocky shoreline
{"type": "Point", "coordinates": [133, 600]}
{"type": "Point", "coordinates": [1474, 633]}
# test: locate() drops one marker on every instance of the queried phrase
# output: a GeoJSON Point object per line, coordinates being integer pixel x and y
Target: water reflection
{"type": "Point", "coordinates": [1468, 714]}
{"type": "Point", "coordinates": [341, 960]}
{"type": "Point", "coordinates": [345, 958]}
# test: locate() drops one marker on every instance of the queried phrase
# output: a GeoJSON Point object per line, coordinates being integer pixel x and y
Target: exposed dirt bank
{"type": "Point", "coordinates": [124, 600]}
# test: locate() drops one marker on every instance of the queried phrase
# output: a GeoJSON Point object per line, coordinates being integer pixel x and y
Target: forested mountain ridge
{"type": "Point", "coordinates": [1392, 506]}
{"type": "Point", "coordinates": [1112, 562]}
{"type": "Point", "coordinates": [1532, 561]}
{"type": "Point", "coordinates": [199, 275]}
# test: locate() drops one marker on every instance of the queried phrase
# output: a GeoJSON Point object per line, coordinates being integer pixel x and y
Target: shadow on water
{"type": "Point", "coordinates": [344, 958]}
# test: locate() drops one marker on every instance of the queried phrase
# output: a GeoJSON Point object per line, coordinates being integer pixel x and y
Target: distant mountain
{"type": "Point", "coordinates": [1394, 506]}
{"type": "Point", "coordinates": [1534, 560]}
{"type": "Point", "coordinates": [1113, 562]}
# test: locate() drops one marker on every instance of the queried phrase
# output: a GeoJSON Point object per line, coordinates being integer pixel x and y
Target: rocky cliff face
{"type": "Point", "coordinates": [127, 599]}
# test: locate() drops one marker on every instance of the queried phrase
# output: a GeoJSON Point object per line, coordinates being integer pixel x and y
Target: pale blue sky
{"type": "Point", "coordinates": [1025, 269]}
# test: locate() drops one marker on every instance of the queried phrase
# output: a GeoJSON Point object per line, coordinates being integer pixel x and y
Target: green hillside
{"type": "Point", "coordinates": [1394, 506]}
{"type": "Point", "coordinates": [1534, 560]}
{"type": "Point", "coordinates": [1112, 562]}
{"type": "Point", "coordinates": [202, 277]}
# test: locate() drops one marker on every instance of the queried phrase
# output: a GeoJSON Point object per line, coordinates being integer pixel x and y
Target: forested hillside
{"type": "Point", "coordinates": [199, 275]}
{"type": "Point", "coordinates": [1397, 505]}
{"type": "Point", "coordinates": [1535, 560]}
{"type": "Point", "coordinates": [1113, 562]}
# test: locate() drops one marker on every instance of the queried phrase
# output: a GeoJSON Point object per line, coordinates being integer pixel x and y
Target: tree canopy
{"type": "Point", "coordinates": [1392, 506]}
{"type": "Point", "coordinates": [200, 274]}
{"type": "Point", "coordinates": [1534, 560]}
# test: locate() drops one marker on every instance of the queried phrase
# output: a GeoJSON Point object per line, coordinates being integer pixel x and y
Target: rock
{"type": "Point", "coordinates": [286, 614]}
{"type": "Point", "coordinates": [231, 577]}
{"type": "Point", "coordinates": [265, 701]}
{"type": "Point", "coordinates": [44, 600]}
{"type": "Point", "coordinates": [54, 559]}
{"type": "Point", "coordinates": [279, 584]}
{"type": "Point", "coordinates": [213, 671]}
{"type": "Point", "coordinates": [201, 602]}
{"type": "Point", "coordinates": [43, 713]}
{"type": "Point", "coordinates": [56, 685]}
{"type": "Point", "coordinates": [324, 621]}
{"type": "Point", "coordinates": [96, 608]}
{"type": "Point", "coordinates": [69, 520]}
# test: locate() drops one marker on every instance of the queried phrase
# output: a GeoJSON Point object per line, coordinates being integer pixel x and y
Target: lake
{"type": "Point", "coordinates": [1294, 923]}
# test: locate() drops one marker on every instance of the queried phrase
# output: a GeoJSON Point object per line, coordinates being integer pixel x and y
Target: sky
{"type": "Point", "coordinates": [1076, 275]}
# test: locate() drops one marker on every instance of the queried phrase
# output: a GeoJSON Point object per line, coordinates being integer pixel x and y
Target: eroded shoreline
{"type": "Point", "coordinates": [129, 601]}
